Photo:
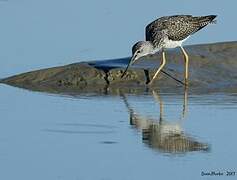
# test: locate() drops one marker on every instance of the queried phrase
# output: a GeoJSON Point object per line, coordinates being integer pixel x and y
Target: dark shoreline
{"type": "Point", "coordinates": [212, 67]}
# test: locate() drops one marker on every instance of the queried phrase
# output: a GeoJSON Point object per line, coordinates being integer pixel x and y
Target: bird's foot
{"type": "Point", "coordinates": [150, 82]}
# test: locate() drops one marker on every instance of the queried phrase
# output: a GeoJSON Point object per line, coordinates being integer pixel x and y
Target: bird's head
{"type": "Point", "coordinates": [140, 49]}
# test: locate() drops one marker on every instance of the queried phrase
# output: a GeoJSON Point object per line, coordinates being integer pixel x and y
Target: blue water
{"type": "Point", "coordinates": [36, 34]}
{"type": "Point", "coordinates": [45, 136]}
{"type": "Point", "coordinates": [105, 137]}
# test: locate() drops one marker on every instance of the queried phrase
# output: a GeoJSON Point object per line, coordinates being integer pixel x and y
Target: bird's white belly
{"type": "Point", "coordinates": [173, 44]}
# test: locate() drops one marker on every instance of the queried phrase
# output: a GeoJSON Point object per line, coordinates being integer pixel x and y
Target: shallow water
{"type": "Point", "coordinates": [39, 34]}
{"type": "Point", "coordinates": [124, 136]}
{"type": "Point", "coordinates": [95, 136]}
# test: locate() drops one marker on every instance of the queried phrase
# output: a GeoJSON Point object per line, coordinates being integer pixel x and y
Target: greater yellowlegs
{"type": "Point", "coordinates": [164, 135]}
{"type": "Point", "coordinates": [168, 32]}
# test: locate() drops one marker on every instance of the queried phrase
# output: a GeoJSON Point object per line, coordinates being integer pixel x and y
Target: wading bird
{"type": "Point", "coordinates": [168, 32]}
{"type": "Point", "coordinates": [162, 134]}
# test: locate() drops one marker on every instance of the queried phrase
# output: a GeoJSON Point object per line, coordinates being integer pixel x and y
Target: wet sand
{"type": "Point", "coordinates": [212, 68]}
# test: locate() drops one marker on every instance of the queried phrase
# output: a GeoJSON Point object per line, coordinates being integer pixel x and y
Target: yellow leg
{"type": "Point", "coordinates": [185, 101]}
{"type": "Point", "coordinates": [158, 98]}
{"type": "Point", "coordinates": [186, 59]}
{"type": "Point", "coordinates": [163, 61]}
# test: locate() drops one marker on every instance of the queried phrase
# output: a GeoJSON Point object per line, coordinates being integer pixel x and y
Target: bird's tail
{"type": "Point", "coordinates": [205, 20]}
{"type": "Point", "coordinates": [202, 21]}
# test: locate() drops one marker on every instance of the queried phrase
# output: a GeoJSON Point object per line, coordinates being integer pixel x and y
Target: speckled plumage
{"type": "Point", "coordinates": [168, 32]}
{"type": "Point", "coordinates": [175, 28]}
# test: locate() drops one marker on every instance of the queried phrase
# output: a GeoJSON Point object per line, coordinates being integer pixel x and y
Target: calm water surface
{"type": "Point", "coordinates": [123, 136]}
{"type": "Point", "coordinates": [119, 137]}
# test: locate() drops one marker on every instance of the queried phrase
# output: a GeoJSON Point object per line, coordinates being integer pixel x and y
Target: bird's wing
{"type": "Point", "coordinates": [177, 27]}
{"type": "Point", "coordinates": [157, 37]}
{"type": "Point", "coordinates": [155, 27]}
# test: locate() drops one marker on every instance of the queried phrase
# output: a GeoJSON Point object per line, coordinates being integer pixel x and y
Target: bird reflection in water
{"type": "Point", "coordinates": [162, 135]}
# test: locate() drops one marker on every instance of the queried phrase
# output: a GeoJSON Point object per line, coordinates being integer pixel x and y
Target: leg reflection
{"type": "Point", "coordinates": [164, 135]}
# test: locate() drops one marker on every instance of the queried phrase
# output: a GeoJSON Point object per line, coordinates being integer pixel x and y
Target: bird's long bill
{"type": "Point", "coordinates": [132, 60]}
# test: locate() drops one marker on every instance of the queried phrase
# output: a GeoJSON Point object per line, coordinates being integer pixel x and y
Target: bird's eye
{"type": "Point", "coordinates": [138, 51]}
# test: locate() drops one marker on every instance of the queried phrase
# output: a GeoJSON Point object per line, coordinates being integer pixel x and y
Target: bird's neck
{"type": "Point", "coordinates": [155, 48]}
